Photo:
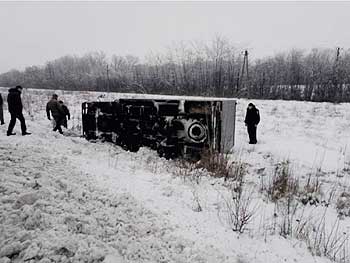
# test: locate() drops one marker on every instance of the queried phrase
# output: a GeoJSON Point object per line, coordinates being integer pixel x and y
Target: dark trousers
{"type": "Point", "coordinates": [1, 115]}
{"type": "Point", "coordinates": [12, 123]}
{"type": "Point", "coordinates": [64, 122]}
{"type": "Point", "coordinates": [58, 121]}
{"type": "Point", "coordinates": [252, 133]}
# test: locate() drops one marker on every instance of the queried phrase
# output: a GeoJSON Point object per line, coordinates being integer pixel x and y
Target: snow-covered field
{"type": "Point", "coordinates": [63, 199]}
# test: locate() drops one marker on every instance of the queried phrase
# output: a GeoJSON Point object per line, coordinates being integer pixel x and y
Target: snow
{"type": "Point", "coordinates": [64, 199]}
{"type": "Point", "coordinates": [314, 134]}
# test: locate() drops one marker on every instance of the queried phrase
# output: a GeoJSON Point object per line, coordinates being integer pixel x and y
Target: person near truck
{"type": "Point", "coordinates": [66, 115]}
{"type": "Point", "coordinates": [57, 113]}
{"type": "Point", "coordinates": [252, 120]}
{"type": "Point", "coordinates": [15, 107]}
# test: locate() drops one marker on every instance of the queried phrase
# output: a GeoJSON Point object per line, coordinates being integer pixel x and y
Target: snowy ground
{"type": "Point", "coordinates": [63, 199]}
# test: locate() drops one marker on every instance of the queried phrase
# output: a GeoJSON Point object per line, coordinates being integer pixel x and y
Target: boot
{"type": "Point", "coordinates": [11, 133]}
{"type": "Point", "coordinates": [26, 133]}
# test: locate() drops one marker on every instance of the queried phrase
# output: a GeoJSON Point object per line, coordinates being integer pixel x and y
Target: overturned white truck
{"type": "Point", "coordinates": [175, 126]}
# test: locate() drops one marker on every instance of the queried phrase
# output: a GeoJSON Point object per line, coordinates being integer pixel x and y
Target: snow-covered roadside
{"type": "Point", "coordinates": [53, 211]}
{"type": "Point", "coordinates": [152, 197]}
{"type": "Point", "coordinates": [172, 198]}
{"type": "Point", "coordinates": [67, 200]}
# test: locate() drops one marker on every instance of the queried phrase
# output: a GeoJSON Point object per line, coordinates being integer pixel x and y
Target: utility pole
{"type": "Point", "coordinates": [337, 93]}
{"type": "Point", "coordinates": [108, 78]}
{"type": "Point", "coordinates": [338, 54]}
{"type": "Point", "coordinates": [246, 60]}
{"type": "Point", "coordinates": [244, 69]}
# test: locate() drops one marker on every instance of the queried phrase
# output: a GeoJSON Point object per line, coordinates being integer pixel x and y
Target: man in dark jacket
{"type": "Point", "coordinates": [66, 114]}
{"type": "Point", "coordinates": [57, 113]}
{"type": "Point", "coordinates": [252, 120]}
{"type": "Point", "coordinates": [1, 111]}
{"type": "Point", "coordinates": [15, 108]}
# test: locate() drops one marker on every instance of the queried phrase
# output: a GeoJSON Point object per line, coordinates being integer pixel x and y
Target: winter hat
{"type": "Point", "coordinates": [19, 87]}
{"type": "Point", "coordinates": [251, 104]}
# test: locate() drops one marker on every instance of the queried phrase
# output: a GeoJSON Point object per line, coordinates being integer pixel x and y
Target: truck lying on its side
{"type": "Point", "coordinates": [175, 126]}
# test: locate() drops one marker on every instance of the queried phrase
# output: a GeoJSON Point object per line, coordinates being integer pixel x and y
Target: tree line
{"type": "Point", "coordinates": [207, 69]}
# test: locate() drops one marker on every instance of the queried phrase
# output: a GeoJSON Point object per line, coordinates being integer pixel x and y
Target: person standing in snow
{"type": "Point", "coordinates": [66, 114]}
{"type": "Point", "coordinates": [1, 111]}
{"type": "Point", "coordinates": [57, 113]}
{"type": "Point", "coordinates": [15, 108]}
{"type": "Point", "coordinates": [252, 120]}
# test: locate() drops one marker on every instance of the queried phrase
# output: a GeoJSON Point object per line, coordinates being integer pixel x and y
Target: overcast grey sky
{"type": "Point", "coordinates": [32, 33]}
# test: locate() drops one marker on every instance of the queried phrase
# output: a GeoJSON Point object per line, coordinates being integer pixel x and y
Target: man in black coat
{"type": "Point", "coordinates": [252, 120]}
{"type": "Point", "coordinates": [1, 111]}
{"type": "Point", "coordinates": [15, 108]}
{"type": "Point", "coordinates": [66, 114]}
{"type": "Point", "coordinates": [57, 112]}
